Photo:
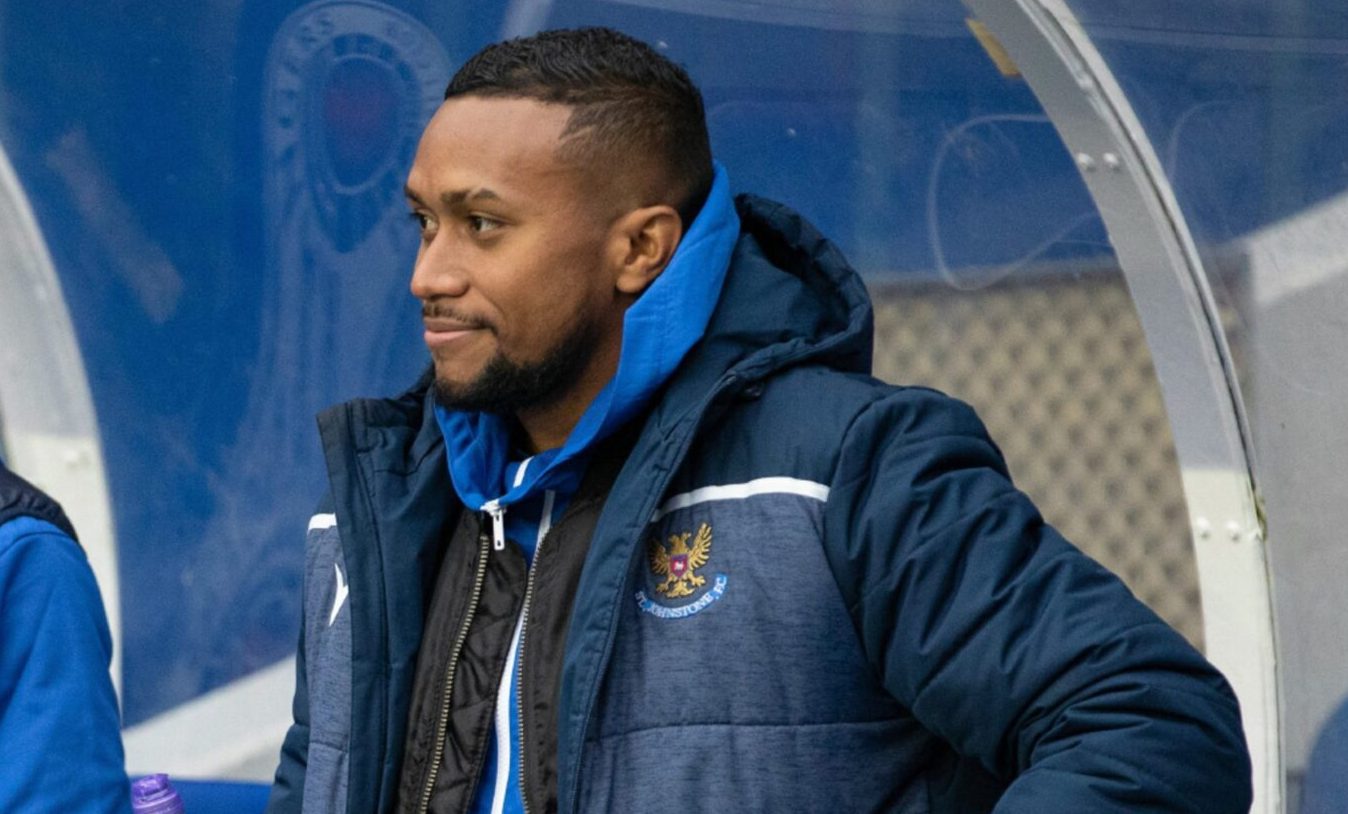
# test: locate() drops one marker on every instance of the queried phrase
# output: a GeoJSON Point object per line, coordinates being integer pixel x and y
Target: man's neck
{"type": "Point", "coordinates": [549, 426]}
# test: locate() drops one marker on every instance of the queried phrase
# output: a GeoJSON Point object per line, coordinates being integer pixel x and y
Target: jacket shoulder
{"type": "Point", "coordinates": [801, 421]}
{"type": "Point", "coordinates": [856, 409]}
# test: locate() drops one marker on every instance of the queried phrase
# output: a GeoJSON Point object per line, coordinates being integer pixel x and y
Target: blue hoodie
{"type": "Point", "coordinates": [525, 497]}
{"type": "Point", "coordinates": [59, 725]}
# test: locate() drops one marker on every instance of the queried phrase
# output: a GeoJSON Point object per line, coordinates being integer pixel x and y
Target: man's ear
{"type": "Point", "coordinates": [642, 243]}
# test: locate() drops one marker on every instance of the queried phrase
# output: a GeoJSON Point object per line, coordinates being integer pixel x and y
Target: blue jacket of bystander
{"type": "Point", "coordinates": [60, 731]}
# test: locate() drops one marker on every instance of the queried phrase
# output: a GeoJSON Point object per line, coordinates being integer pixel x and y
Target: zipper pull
{"type": "Point", "coordinates": [497, 512]}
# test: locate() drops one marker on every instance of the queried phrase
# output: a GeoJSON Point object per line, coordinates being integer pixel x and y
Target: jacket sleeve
{"type": "Point", "coordinates": [1009, 643]}
{"type": "Point", "coordinates": [287, 791]}
{"type": "Point", "coordinates": [59, 727]}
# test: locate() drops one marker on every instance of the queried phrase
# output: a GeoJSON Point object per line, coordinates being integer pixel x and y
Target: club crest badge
{"type": "Point", "coordinates": [677, 562]}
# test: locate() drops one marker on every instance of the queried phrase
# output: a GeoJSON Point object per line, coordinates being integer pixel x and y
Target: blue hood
{"type": "Point", "coordinates": [478, 444]}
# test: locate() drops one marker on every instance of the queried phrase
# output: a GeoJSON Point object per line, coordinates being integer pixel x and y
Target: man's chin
{"type": "Point", "coordinates": [453, 375]}
{"type": "Point", "coordinates": [471, 394]}
{"type": "Point", "coordinates": [505, 387]}
{"type": "Point", "coordinates": [452, 391]}
{"type": "Point", "coordinates": [451, 396]}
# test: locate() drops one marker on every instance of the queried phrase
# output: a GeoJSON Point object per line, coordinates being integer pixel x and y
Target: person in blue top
{"type": "Point", "coordinates": [60, 731]}
{"type": "Point", "coordinates": [649, 537]}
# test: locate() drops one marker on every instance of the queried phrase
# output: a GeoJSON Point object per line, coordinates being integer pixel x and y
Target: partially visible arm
{"type": "Point", "coordinates": [60, 731]}
{"type": "Point", "coordinates": [1008, 642]}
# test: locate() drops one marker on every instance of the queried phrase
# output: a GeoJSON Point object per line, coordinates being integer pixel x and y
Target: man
{"type": "Point", "coordinates": [650, 538]}
{"type": "Point", "coordinates": [60, 732]}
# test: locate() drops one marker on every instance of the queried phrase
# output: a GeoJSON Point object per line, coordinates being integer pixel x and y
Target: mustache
{"type": "Point", "coordinates": [437, 310]}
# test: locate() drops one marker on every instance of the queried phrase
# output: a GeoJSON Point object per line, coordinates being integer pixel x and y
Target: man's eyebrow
{"type": "Point", "coordinates": [464, 195]}
{"type": "Point", "coordinates": [456, 197]}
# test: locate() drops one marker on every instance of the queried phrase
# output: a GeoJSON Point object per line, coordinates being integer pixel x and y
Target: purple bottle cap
{"type": "Point", "coordinates": [155, 795]}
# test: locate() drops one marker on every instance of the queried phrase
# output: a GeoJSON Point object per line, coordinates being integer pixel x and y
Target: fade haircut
{"type": "Point", "coordinates": [629, 104]}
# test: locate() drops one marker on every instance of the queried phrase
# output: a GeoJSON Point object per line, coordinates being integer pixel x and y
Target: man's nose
{"type": "Point", "coordinates": [437, 273]}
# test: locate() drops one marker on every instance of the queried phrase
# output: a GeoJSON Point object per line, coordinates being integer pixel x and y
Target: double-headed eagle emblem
{"type": "Point", "coordinates": [678, 562]}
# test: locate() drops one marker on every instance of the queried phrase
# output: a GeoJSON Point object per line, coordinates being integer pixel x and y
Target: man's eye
{"type": "Point", "coordinates": [422, 221]}
{"type": "Point", "coordinates": [478, 224]}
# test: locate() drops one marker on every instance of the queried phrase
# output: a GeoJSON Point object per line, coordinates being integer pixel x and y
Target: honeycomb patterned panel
{"type": "Point", "coordinates": [1060, 372]}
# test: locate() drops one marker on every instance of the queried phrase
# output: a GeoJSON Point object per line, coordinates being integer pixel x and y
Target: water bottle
{"type": "Point", "coordinates": [155, 795]}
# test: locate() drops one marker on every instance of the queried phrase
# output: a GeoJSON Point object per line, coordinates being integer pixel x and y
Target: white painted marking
{"type": "Point", "coordinates": [740, 491]}
{"type": "Point", "coordinates": [246, 721]}
{"type": "Point", "coordinates": [1299, 253]}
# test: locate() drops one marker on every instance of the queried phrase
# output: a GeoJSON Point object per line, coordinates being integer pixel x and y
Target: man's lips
{"type": "Point", "coordinates": [445, 330]}
{"type": "Point", "coordinates": [448, 324]}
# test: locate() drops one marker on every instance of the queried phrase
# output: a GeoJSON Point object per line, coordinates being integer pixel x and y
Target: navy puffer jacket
{"type": "Point", "coordinates": [807, 591]}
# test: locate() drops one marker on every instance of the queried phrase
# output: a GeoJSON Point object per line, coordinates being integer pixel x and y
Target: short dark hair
{"type": "Point", "coordinates": [629, 102]}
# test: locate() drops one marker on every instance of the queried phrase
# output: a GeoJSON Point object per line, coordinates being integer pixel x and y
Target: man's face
{"type": "Point", "coordinates": [518, 306]}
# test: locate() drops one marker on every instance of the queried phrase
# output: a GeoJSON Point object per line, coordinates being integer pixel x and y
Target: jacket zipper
{"type": "Point", "coordinates": [497, 512]}
{"type": "Point", "coordinates": [519, 668]}
{"type": "Point", "coordinates": [442, 727]}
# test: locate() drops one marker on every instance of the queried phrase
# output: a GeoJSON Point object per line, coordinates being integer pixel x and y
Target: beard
{"type": "Point", "coordinates": [505, 387]}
